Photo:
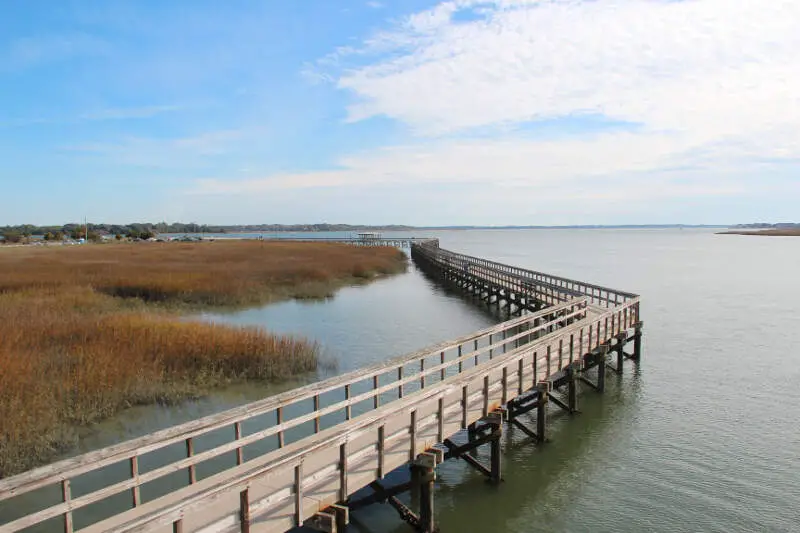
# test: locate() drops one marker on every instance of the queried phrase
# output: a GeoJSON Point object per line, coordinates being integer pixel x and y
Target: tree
{"type": "Point", "coordinates": [49, 236]}
{"type": "Point", "coordinates": [58, 236]}
{"type": "Point", "coordinates": [12, 236]}
{"type": "Point", "coordinates": [118, 236]}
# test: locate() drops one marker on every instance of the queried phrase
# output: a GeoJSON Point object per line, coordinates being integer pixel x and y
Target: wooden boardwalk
{"type": "Point", "coordinates": [298, 457]}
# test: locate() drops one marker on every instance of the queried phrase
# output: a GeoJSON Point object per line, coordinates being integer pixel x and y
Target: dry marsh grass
{"type": "Point", "coordinates": [81, 338]}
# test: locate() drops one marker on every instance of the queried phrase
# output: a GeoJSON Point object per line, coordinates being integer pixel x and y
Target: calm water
{"type": "Point", "coordinates": [702, 436]}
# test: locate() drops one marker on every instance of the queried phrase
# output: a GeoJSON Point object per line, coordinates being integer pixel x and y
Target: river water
{"type": "Point", "coordinates": [702, 435]}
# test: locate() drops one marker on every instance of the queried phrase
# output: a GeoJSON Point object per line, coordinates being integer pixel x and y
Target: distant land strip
{"type": "Point", "coordinates": [776, 232]}
{"type": "Point", "coordinates": [77, 229]}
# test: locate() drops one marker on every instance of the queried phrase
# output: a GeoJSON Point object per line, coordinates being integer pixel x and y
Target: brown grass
{"type": "Point", "coordinates": [72, 351]}
{"type": "Point", "coordinates": [776, 232]}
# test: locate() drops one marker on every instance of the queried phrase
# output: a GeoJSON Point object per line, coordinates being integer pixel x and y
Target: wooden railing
{"type": "Point", "coordinates": [340, 395]}
{"type": "Point", "coordinates": [283, 488]}
{"type": "Point", "coordinates": [565, 288]}
{"type": "Point", "coordinates": [323, 434]}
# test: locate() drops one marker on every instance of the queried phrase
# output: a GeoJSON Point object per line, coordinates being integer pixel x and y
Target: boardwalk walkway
{"type": "Point", "coordinates": [296, 458]}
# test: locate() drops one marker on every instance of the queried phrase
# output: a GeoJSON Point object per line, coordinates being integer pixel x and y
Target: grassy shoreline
{"type": "Point", "coordinates": [88, 331]}
{"type": "Point", "coordinates": [788, 232]}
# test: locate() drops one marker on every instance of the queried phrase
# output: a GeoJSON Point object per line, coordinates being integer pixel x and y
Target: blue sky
{"type": "Point", "coordinates": [415, 112]}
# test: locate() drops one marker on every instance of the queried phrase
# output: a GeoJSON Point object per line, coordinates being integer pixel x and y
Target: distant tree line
{"type": "Point", "coordinates": [767, 225]}
{"type": "Point", "coordinates": [146, 230]}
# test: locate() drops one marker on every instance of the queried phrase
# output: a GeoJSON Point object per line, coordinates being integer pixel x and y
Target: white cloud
{"type": "Point", "coordinates": [712, 87]}
{"type": "Point", "coordinates": [669, 65]}
{"type": "Point", "coordinates": [708, 71]}
{"type": "Point", "coordinates": [526, 166]}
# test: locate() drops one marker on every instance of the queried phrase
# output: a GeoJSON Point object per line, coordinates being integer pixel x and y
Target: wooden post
{"type": "Point", "coordinates": [637, 342]}
{"type": "Point", "coordinates": [376, 398]}
{"type": "Point", "coordinates": [298, 495]}
{"type": "Point", "coordinates": [343, 490]}
{"type": "Point", "coordinates": [135, 493]}
{"type": "Point", "coordinates": [348, 408]}
{"type": "Point", "coordinates": [572, 386]}
{"type": "Point", "coordinates": [400, 378]}
{"type": "Point", "coordinates": [426, 506]}
{"type": "Point", "coordinates": [66, 496]}
{"type": "Point", "coordinates": [279, 419]}
{"type": "Point", "coordinates": [237, 430]}
{"type": "Point", "coordinates": [541, 411]}
{"type": "Point", "coordinates": [415, 488]}
{"type": "Point", "coordinates": [620, 354]}
{"type": "Point", "coordinates": [189, 453]}
{"type": "Point", "coordinates": [422, 471]}
{"type": "Point", "coordinates": [244, 511]}
{"type": "Point", "coordinates": [316, 408]}
{"type": "Point", "coordinates": [381, 448]}
{"type": "Point", "coordinates": [342, 517]}
{"type": "Point", "coordinates": [601, 372]}
{"type": "Point", "coordinates": [496, 476]}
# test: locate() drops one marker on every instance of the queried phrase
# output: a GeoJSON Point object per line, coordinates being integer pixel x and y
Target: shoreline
{"type": "Point", "coordinates": [788, 232]}
{"type": "Point", "coordinates": [88, 331]}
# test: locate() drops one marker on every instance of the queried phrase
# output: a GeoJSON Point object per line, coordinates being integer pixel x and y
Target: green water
{"type": "Point", "coordinates": [701, 436]}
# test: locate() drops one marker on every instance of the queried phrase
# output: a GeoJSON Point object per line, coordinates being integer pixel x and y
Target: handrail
{"type": "Point", "coordinates": [340, 435]}
{"type": "Point", "coordinates": [133, 449]}
{"type": "Point", "coordinates": [433, 252]}
{"type": "Point", "coordinates": [570, 304]}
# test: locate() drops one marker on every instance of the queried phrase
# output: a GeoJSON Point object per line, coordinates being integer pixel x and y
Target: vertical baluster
{"type": "Point", "coordinates": [486, 395]}
{"type": "Point", "coordinates": [348, 408]}
{"type": "Point", "coordinates": [66, 496]}
{"type": "Point", "coordinates": [237, 429]}
{"type": "Point", "coordinates": [189, 453]}
{"type": "Point", "coordinates": [571, 347]}
{"type": "Point", "coordinates": [279, 419]}
{"type": "Point", "coordinates": [244, 511]}
{"type": "Point", "coordinates": [441, 360]}
{"type": "Point", "coordinates": [316, 409]}
{"type": "Point", "coordinates": [440, 433]}
{"type": "Point", "coordinates": [422, 373]}
{"type": "Point", "coordinates": [135, 491]}
{"type": "Point", "coordinates": [400, 379]}
{"type": "Point", "coordinates": [412, 452]}
{"type": "Point", "coordinates": [376, 398]}
{"type": "Point", "coordinates": [298, 495]}
{"type": "Point", "coordinates": [381, 448]}
{"type": "Point", "coordinates": [464, 398]}
{"type": "Point", "coordinates": [504, 398]}
{"type": "Point", "coordinates": [343, 490]}
{"type": "Point", "coordinates": [548, 361]}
